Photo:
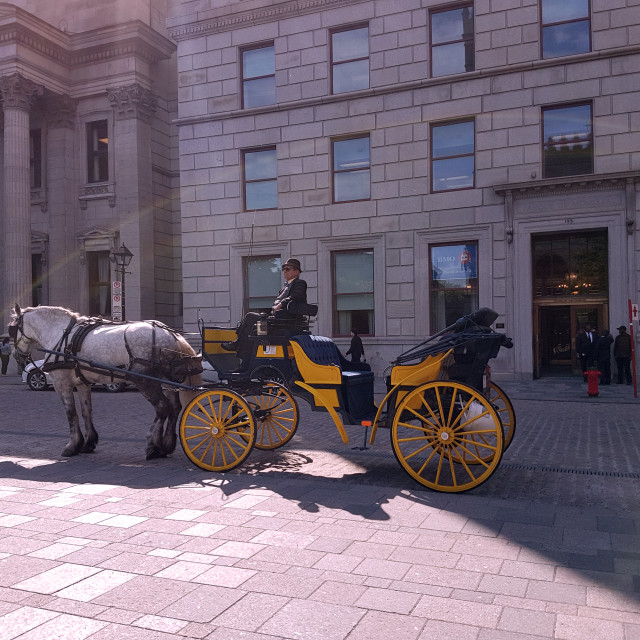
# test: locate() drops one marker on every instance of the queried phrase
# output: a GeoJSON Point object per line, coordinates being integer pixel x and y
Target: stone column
{"type": "Point", "coordinates": [133, 108]}
{"type": "Point", "coordinates": [17, 94]}
{"type": "Point", "coordinates": [62, 198]}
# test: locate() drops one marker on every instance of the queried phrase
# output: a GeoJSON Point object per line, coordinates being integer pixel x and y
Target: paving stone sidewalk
{"type": "Point", "coordinates": [318, 539]}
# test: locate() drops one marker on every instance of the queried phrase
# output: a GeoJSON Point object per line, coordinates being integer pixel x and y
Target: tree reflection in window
{"type": "Point", "coordinates": [570, 264]}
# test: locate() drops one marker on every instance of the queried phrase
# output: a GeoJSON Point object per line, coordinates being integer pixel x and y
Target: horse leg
{"type": "Point", "coordinates": [91, 435]}
{"type": "Point", "coordinates": [170, 436]}
{"type": "Point", "coordinates": [64, 389]}
{"type": "Point", "coordinates": [153, 393]}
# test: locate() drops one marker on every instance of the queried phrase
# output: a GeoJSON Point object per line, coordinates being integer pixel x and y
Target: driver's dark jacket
{"type": "Point", "coordinates": [294, 291]}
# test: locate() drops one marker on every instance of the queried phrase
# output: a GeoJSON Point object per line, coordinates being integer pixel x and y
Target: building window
{"type": "Point", "coordinates": [258, 76]}
{"type": "Point", "coordinates": [567, 140]}
{"type": "Point", "coordinates": [260, 179]}
{"type": "Point", "coordinates": [351, 169]}
{"type": "Point", "coordinates": [97, 151]}
{"type": "Point", "coordinates": [35, 158]}
{"type": "Point", "coordinates": [566, 28]}
{"type": "Point", "coordinates": [263, 278]}
{"type": "Point", "coordinates": [452, 155]}
{"type": "Point", "coordinates": [352, 273]}
{"type": "Point", "coordinates": [570, 264]}
{"type": "Point", "coordinates": [453, 283]}
{"type": "Point", "coordinates": [452, 43]}
{"type": "Point", "coordinates": [350, 60]}
{"type": "Point", "coordinates": [99, 283]}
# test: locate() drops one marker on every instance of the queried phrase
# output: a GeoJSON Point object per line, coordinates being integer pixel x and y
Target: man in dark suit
{"type": "Point", "coordinates": [584, 349]}
{"type": "Point", "coordinates": [294, 291]}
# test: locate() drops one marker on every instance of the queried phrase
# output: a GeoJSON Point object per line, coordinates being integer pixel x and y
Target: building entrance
{"type": "Point", "coordinates": [570, 291]}
{"type": "Point", "coordinates": [555, 330]}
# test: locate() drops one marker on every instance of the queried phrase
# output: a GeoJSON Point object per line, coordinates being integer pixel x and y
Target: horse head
{"type": "Point", "coordinates": [36, 326]}
{"type": "Point", "coordinates": [22, 344]}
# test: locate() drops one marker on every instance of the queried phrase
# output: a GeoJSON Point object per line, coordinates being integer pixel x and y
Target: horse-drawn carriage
{"type": "Point", "coordinates": [449, 424]}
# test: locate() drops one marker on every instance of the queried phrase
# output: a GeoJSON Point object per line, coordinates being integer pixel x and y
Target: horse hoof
{"type": "Point", "coordinates": [154, 453]}
{"type": "Point", "coordinates": [89, 449]}
{"type": "Point", "coordinates": [67, 452]}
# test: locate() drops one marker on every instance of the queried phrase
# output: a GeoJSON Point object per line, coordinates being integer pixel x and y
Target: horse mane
{"type": "Point", "coordinates": [63, 310]}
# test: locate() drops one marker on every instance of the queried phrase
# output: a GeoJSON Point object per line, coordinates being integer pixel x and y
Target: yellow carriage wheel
{"type": "Point", "coordinates": [276, 415]}
{"type": "Point", "coordinates": [217, 430]}
{"type": "Point", "coordinates": [501, 403]}
{"type": "Point", "coordinates": [447, 436]}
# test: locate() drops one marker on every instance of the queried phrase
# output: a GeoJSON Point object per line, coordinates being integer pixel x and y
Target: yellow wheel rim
{"type": "Point", "coordinates": [447, 436]}
{"type": "Point", "coordinates": [217, 430]}
{"type": "Point", "coordinates": [501, 403]}
{"type": "Point", "coordinates": [276, 414]}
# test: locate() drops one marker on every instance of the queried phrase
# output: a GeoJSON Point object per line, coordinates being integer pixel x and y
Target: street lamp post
{"type": "Point", "coordinates": [122, 258]}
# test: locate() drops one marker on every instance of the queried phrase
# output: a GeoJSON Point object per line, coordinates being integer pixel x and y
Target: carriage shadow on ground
{"type": "Point", "coordinates": [565, 495]}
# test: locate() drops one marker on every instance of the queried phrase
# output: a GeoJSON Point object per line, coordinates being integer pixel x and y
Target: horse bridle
{"type": "Point", "coordinates": [15, 329]}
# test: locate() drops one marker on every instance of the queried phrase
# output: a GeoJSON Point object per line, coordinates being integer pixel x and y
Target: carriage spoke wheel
{"type": "Point", "coordinates": [217, 430]}
{"type": "Point", "coordinates": [276, 414]}
{"type": "Point", "coordinates": [501, 403]}
{"type": "Point", "coordinates": [447, 436]}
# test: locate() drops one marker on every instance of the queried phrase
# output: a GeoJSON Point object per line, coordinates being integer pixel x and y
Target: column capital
{"type": "Point", "coordinates": [18, 92]}
{"type": "Point", "coordinates": [61, 111]}
{"type": "Point", "coordinates": [132, 101]}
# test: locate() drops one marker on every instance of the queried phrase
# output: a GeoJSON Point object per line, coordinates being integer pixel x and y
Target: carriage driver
{"type": "Point", "coordinates": [294, 290]}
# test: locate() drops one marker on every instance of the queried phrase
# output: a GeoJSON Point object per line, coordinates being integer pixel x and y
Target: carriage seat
{"type": "Point", "coordinates": [297, 323]}
{"type": "Point", "coordinates": [320, 363]}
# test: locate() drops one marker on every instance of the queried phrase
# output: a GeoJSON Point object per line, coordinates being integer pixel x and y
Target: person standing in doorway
{"type": "Point", "coordinates": [584, 349]}
{"type": "Point", "coordinates": [5, 353]}
{"type": "Point", "coordinates": [602, 356]}
{"type": "Point", "coordinates": [356, 349]}
{"type": "Point", "coordinates": [622, 354]}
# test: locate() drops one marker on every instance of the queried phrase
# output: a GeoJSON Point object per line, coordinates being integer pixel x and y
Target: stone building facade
{"type": "Point", "coordinates": [421, 158]}
{"type": "Point", "coordinates": [89, 156]}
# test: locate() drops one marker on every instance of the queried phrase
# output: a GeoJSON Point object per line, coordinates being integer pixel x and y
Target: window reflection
{"type": "Point", "coordinates": [350, 60]}
{"type": "Point", "coordinates": [567, 140]}
{"type": "Point", "coordinates": [452, 41]}
{"type": "Point", "coordinates": [566, 28]}
{"type": "Point", "coordinates": [260, 179]}
{"type": "Point", "coordinates": [258, 74]}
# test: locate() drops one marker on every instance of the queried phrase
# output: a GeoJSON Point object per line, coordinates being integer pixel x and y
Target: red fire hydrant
{"type": "Point", "coordinates": [592, 382]}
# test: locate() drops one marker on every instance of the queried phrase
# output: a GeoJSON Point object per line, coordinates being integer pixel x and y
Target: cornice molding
{"type": "Point", "coordinates": [568, 184]}
{"type": "Point", "coordinates": [128, 39]}
{"type": "Point", "coordinates": [236, 19]}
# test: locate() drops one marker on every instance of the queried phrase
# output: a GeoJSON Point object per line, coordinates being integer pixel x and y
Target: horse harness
{"type": "Point", "coordinates": [172, 368]}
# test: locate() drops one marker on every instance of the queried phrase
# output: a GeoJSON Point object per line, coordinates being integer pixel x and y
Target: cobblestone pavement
{"type": "Point", "coordinates": [320, 539]}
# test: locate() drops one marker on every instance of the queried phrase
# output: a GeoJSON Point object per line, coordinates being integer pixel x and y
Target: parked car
{"type": "Point", "coordinates": [38, 380]}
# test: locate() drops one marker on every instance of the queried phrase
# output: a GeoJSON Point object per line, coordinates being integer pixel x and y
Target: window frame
{"type": "Point", "coordinates": [96, 154]}
{"type": "Point", "coordinates": [243, 79]}
{"type": "Point", "coordinates": [333, 64]}
{"type": "Point", "coordinates": [544, 145]}
{"type": "Point", "coordinates": [335, 295]}
{"type": "Point", "coordinates": [433, 159]}
{"type": "Point", "coordinates": [563, 22]}
{"type": "Point", "coordinates": [445, 9]}
{"type": "Point", "coordinates": [245, 182]}
{"type": "Point", "coordinates": [334, 172]}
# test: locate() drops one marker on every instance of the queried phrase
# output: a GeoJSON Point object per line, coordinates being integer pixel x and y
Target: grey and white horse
{"type": "Point", "coordinates": [149, 348]}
